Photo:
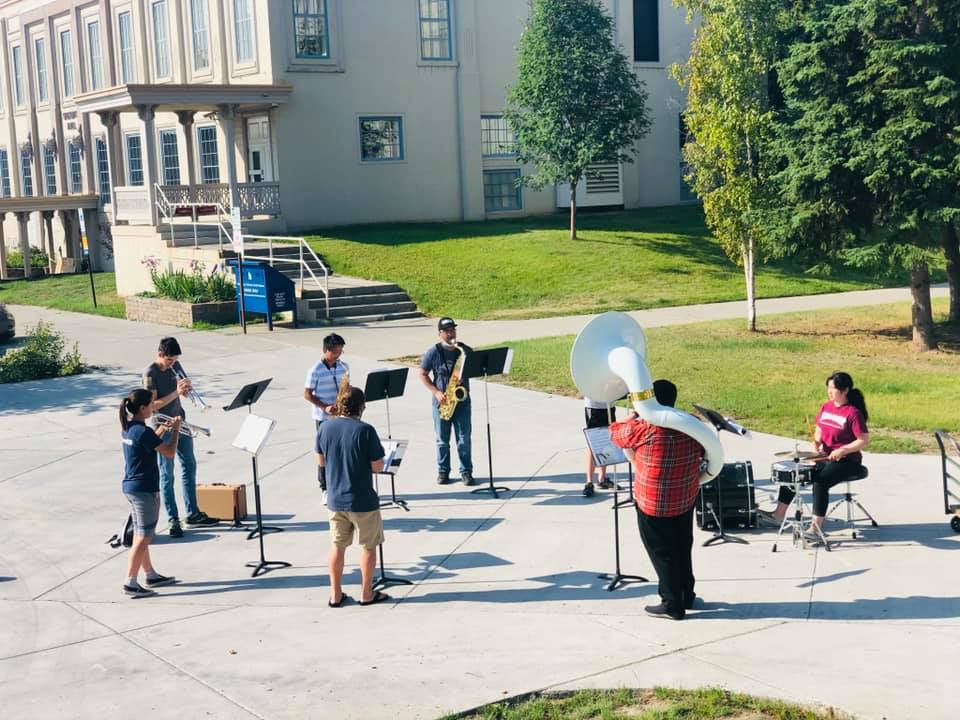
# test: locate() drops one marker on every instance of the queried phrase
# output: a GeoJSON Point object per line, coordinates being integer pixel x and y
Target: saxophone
{"type": "Point", "coordinates": [455, 392]}
{"type": "Point", "coordinates": [337, 408]}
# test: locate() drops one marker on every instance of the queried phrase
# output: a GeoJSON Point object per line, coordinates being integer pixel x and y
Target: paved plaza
{"type": "Point", "coordinates": [505, 596]}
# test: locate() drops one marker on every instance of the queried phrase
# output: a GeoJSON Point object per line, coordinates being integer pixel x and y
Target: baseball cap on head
{"type": "Point", "coordinates": [446, 323]}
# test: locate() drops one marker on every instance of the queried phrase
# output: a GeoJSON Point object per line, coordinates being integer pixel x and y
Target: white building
{"type": "Point", "coordinates": [301, 113]}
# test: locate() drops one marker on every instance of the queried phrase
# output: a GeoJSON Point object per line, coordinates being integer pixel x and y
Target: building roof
{"type": "Point", "coordinates": [166, 97]}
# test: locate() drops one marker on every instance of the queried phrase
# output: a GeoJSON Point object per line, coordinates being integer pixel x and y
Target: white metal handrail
{"type": "Point", "coordinates": [167, 210]}
{"type": "Point", "coordinates": [301, 261]}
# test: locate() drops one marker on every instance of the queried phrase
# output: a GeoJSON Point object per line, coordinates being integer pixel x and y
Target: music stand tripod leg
{"type": "Point", "coordinates": [263, 565]}
{"type": "Point", "coordinates": [385, 581]}
{"type": "Point", "coordinates": [618, 578]}
{"type": "Point", "coordinates": [491, 488]}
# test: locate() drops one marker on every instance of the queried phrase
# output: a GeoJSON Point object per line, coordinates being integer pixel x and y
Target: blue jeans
{"type": "Point", "coordinates": [188, 474]}
{"type": "Point", "coordinates": [460, 422]}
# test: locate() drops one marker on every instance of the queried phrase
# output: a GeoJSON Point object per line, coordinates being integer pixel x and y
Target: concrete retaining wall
{"type": "Point", "coordinates": [172, 312]}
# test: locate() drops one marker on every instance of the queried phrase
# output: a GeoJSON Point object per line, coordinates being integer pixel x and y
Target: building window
{"type": "Point", "coordinates": [76, 174]}
{"type": "Point", "coordinates": [646, 31]}
{"type": "Point", "coordinates": [134, 160]}
{"type": "Point", "coordinates": [161, 48]}
{"type": "Point", "coordinates": [381, 138]}
{"type": "Point", "coordinates": [501, 192]}
{"type": "Point", "coordinates": [209, 156]}
{"type": "Point", "coordinates": [201, 46]}
{"type": "Point", "coordinates": [40, 53]}
{"type": "Point", "coordinates": [103, 170]}
{"type": "Point", "coordinates": [96, 60]}
{"type": "Point", "coordinates": [496, 138]}
{"type": "Point", "coordinates": [169, 157]}
{"type": "Point", "coordinates": [435, 30]}
{"type": "Point", "coordinates": [243, 30]}
{"type": "Point", "coordinates": [66, 62]}
{"type": "Point", "coordinates": [310, 28]}
{"type": "Point", "coordinates": [4, 173]}
{"type": "Point", "coordinates": [50, 170]}
{"type": "Point", "coordinates": [26, 174]}
{"type": "Point", "coordinates": [125, 32]}
{"type": "Point", "coordinates": [18, 75]}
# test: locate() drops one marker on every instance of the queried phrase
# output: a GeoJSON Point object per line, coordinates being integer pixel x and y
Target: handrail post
{"type": "Point", "coordinates": [300, 245]}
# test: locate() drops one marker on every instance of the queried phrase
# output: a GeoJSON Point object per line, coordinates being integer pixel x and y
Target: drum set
{"type": "Point", "coordinates": [794, 470]}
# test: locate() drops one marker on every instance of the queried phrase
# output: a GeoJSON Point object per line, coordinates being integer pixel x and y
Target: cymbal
{"type": "Point", "coordinates": [797, 454]}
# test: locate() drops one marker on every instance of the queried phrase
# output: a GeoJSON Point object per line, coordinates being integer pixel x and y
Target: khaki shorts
{"type": "Point", "coordinates": [369, 527]}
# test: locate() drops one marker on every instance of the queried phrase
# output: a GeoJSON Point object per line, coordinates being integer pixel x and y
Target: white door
{"type": "Point", "coordinates": [259, 151]}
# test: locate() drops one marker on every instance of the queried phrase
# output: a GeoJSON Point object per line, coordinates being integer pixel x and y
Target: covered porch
{"type": "Point", "coordinates": [153, 193]}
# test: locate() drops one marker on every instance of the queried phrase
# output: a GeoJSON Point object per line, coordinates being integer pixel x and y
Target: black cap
{"type": "Point", "coordinates": [446, 323]}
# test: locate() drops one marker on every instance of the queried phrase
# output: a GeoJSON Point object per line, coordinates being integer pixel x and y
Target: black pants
{"type": "Point", "coordinates": [669, 543]}
{"type": "Point", "coordinates": [825, 476]}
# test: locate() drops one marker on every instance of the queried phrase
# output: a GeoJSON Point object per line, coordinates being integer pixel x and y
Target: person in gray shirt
{"type": "Point", "coordinates": [160, 379]}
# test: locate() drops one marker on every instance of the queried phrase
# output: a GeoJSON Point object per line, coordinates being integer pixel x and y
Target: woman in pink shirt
{"type": "Point", "coordinates": [841, 433]}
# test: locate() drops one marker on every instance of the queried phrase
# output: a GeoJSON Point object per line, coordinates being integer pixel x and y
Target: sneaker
{"type": "Point", "coordinates": [606, 484]}
{"type": "Point", "coordinates": [443, 477]}
{"type": "Point", "coordinates": [690, 601]}
{"type": "Point", "coordinates": [200, 518]}
{"type": "Point", "coordinates": [176, 531]}
{"type": "Point", "coordinates": [766, 519]}
{"type": "Point", "coordinates": [812, 537]}
{"type": "Point", "coordinates": [135, 591]}
{"type": "Point", "coordinates": [663, 611]}
{"type": "Point", "coordinates": [588, 490]}
{"type": "Point", "coordinates": [467, 478]}
{"type": "Point", "coordinates": [159, 581]}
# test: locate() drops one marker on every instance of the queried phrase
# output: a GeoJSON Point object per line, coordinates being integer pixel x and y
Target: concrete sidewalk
{"type": "Point", "coordinates": [505, 596]}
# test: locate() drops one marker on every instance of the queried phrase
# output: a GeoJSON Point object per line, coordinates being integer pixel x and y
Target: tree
{"type": "Point", "coordinates": [576, 100]}
{"type": "Point", "coordinates": [871, 146]}
{"type": "Point", "coordinates": [732, 124]}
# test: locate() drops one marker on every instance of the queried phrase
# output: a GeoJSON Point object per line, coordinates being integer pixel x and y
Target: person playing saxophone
{"type": "Point", "coordinates": [324, 380]}
{"type": "Point", "coordinates": [441, 363]}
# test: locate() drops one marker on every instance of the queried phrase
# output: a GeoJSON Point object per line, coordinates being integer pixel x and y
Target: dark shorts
{"type": "Point", "coordinates": [598, 418]}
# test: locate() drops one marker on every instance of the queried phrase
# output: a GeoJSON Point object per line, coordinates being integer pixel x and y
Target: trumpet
{"type": "Point", "coordinates": [195, 396]}
{"type": "Point", "coordinates": [185, 428]}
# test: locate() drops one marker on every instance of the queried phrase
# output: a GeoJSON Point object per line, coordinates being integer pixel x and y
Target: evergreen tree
{"type": "Point", "coordinates": [576, 100]}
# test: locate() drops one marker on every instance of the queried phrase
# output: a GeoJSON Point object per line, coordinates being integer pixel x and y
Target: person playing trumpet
{"type": "Point", "coordinates": [161, 380]}
{"type": "Point", "coordinates": [440, 361]}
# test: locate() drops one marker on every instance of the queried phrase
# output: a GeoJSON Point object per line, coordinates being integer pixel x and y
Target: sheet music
{"type": "Point", "coordinates": [394, 450]}
{"type": "Point", "coordinates": [253, 434]}
{"type": "Point", "coordinates": [604, 451]}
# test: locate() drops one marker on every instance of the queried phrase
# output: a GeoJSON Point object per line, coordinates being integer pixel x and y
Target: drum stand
{"type": "Point", "coordinates": [797, 521]}
{"type": "Point", "coordinates": [617, 578]}
{"type": "Point", "coordinates": [719, 536]}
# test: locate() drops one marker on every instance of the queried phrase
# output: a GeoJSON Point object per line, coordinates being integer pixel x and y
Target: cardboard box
{"type": "Point", "coordinates": [224, 502]}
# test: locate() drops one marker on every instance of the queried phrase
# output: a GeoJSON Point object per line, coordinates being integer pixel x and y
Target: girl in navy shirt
{"type": "Point", "coordinates": [141, 485]}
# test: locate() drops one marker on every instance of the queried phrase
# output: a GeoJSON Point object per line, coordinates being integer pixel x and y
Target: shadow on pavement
{"type": "Point", "coordinates": [915, 607]}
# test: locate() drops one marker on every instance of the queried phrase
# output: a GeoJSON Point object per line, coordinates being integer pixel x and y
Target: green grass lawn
{"type": "Point", "coordinates": [773, 380]}
{"type": "Point", "coordinates": [527, 267]}
{"type": "Point", "coordinates": [66, 292]}
{"type": "Point", "coordinates": [656, 704]}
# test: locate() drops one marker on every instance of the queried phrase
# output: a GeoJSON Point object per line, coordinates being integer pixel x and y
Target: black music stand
{"type": "Point", "coordinates": [385, 581]}
{"type": "Point", "coordinates": [484, 363]}
{"type": "Point", "coordinates": [606, 454]}
{"type": "Point", "coordinates": [247, 396]}
{"type": "Point", "coordinates": [383, 385]}
{"type": "Point", "coordinates": [719, 423]}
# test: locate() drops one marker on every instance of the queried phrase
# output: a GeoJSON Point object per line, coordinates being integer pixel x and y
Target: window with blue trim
{"type": "Point", "coordinates": [134, 160]}
{"type": "Point", "coordinates": [501, 191]}
{"type": "Point", "coordinates": [103, 170]}
{"type": "Point", "coordinates": [435, 42]}
{"type": "Point", "coordinates": [76, 174]}
{"type": "Point", "coordinates": [26, 173]}
{"type": "Point", "coordinates": [381, 139]}
{"type": "Point", "coordinates": [311, 29]}
{"type": "Point", "coordinates": [209, 155]}
{"type": "Point", "coordinates": [169, 157]}
{"type": "Point", "coordinates": [50, 170]}
{"type": "Point", "coordinates": [496, 138]}
{"type": "Point", "coordinates": [4, 173]}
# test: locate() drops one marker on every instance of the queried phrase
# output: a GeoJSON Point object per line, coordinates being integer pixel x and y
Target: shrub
{"type": "Point", "coordinates": [43, 355]}
{"type": "Point", "coordinates": [38, 258]}
{"type": "Point", "coordinates": [193, 286]}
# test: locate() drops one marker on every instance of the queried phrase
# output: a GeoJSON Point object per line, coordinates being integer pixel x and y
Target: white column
{"type": "Point", "coordinates": [227, 115]}
{"type": "Point", "coordinates": [22, 219]}
{"type": "Point", "coordinates": [186, 121]}
{"type": "Point", "coordinates": [147, 115]}
{"type": "Point", "coordinates": [109, 120]}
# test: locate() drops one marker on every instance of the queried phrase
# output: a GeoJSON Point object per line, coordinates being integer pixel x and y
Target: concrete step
{"type": "Point", "coordinates": [370, 309]}
{"type": "Point", "coordinates": [363, 319]}
{"type": "Point", "coordinates": [340, 301]}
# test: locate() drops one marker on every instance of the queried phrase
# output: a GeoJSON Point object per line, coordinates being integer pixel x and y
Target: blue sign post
{"type": "Point", "coordinates": [265, 291]}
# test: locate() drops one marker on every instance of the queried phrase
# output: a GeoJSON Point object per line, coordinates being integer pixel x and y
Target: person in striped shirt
{"type": "Point", "coordinates": [323, 381]}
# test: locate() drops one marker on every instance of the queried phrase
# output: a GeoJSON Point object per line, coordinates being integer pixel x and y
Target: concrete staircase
{"type": "Point", "coordinates": [182, 234]}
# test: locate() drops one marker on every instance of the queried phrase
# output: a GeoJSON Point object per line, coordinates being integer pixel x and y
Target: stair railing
{"type": "Point", "coordinates": [167, 211]}
{"type": "Point", "coordinates": [305, 255]}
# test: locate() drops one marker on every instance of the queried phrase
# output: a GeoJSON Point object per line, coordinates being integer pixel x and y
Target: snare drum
{"type": "Point", "coordinates": [782, 472]}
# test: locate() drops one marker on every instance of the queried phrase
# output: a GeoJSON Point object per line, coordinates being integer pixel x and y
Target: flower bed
{"type": "Point", "coordinates": [174, 312]}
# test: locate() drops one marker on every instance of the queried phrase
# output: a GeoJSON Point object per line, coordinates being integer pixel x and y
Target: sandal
{"type": "Point", "coordinates": [378, 597]}
{"type": "Point", "coordinates": [343, 596]}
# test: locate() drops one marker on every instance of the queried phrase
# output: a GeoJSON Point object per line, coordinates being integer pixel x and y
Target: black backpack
{"type": "Point", "coordinates": [125, 537]}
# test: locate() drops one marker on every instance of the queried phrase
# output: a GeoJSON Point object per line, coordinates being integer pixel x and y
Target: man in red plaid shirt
{"type": "Point", "coordinates": [666, 481]}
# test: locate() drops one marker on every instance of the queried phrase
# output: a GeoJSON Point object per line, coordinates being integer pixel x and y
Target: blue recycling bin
{"type": "Point", "coordinates": [265, 290]}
